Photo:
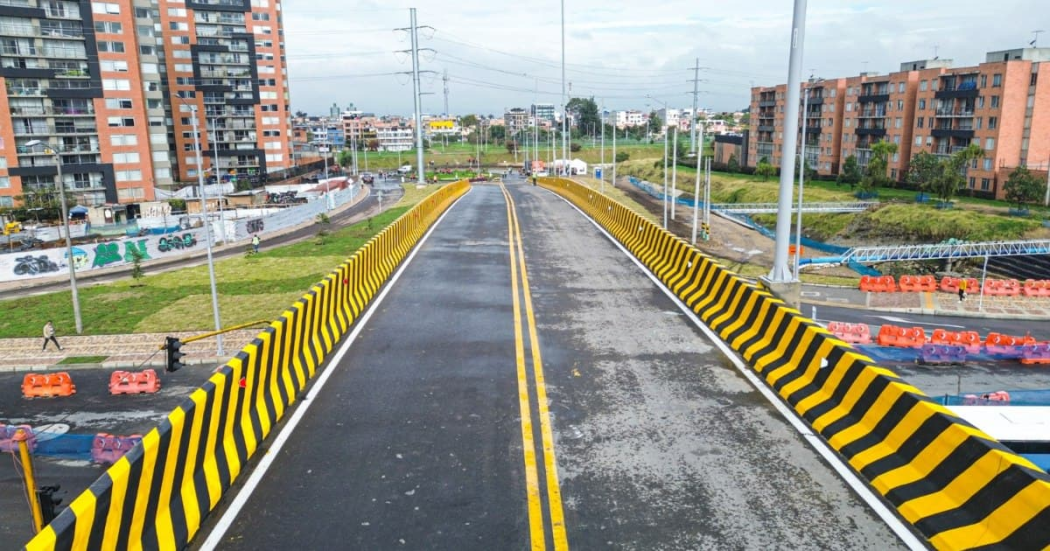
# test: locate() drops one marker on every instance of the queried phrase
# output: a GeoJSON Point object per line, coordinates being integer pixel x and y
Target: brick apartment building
{"type": "Point", "coordinates": [104, 85]}
{"type": "Point", "coordinates": [928, 105]}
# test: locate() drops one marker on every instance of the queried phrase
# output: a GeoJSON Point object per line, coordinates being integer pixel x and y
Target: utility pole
{"type": "Point", "coordinates": [218, 178]}
{"type": "Point", "coordinates": [603, 148]}
{"type": "Point", "coordinates": [614, 156]}
{"type": "Point", "coordinates": [413, 30]}
{"type": "Point", "coordinates": [692, 123]}
{"type": "Point", "coordinates": [207, 229]}
{"type": "Point", "coordinates": [445, 79]}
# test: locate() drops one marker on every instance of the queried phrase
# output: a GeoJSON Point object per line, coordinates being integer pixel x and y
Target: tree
{"type": "Point", "coordinates": [344, 158]}
{"type": "Point", "coordinates": [875, 174]}
{"type": "Point", "coordinates": [1022, 187]}
{"type": "Point", "coordinates": [850, 173]}
{"type": "Point", "coordinates": [923, 170]}
{"type": "Point", "coordinates": [300, 114]}
{"type": "Point", "coordinates": [512, 146]}
{"type": "Point", "coordinates": [733, 165]}
{"type": "Point", "coordinates": [622, 156]}
{"type": "Point", "coordinates": [136, 265]}
{"type": "Point", "coordinates": [585, 112]}
{"type": "Point", "coordinates": [745, 120]}
{"type": "Point", "coordinates": [498, 133]}
{"type": "Point", "coordinates": [468, 121]}
{"type": "Point", "coordinates": [764, 168]}
{"type": "Point", "coordinates": [952, 173]}
{"type": "Point", "coordinates": [655, 122]}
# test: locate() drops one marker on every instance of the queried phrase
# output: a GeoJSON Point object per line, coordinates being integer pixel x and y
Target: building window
{"type": "Point", "coordinates": [900, 105]}
{"type": "Point", "coordinates": [896, 159]}
{"type": "Point", "coordinates": [118, 103]}
{"type": "Point", "coordinates": [105, 7]}
{"type": "Point", "coordinates": [893, 171]}
{"type": "Point", "coordinates": [919, 122]}
{"type": "Point", "coordinates": [162, 173]}
{"type": "Point", "coordinates": [123, 139]}
{"type": "Point", "coordinates": [107, 46]}
{"type": "Point", "coordinates": [900, 88]}
{"type": "Point", "coordinates": [110, 27]}
{"type": "Point", "coordinates": [989, 144]}
{"type": "Point", "coordinates": [897, 122]}
{"type": "Point", "coordinates": [116, 84]}
{"type": "Point", "coordinates": [997, 80]}
{"type": "Point", "coordinates": [127, 175]}
{"type": "Point", "coordinates": [6, 201]}
{"type": "Point", "coordinates": [897, 140]}
{"type": "Point", "coordinates": [922, 104]}
{"type": "Point", "coordinates": [113, 66]}
{"type": "Point", "coordinates": [1034, 79]}
{"type": "Point", "coordinates": [985, 184]}
{"type": "Point", "coordinates": [992, 122]}
{"type": "Point", "coordinates": [995, 102]}
{"type": "Point", "coordinates": [984, 81]}
{"type": "Point", "coordinates": [918, 140]}
{"type": "Point", "coordinates": [148, 50]}
{"type": "Point", "coordinates": [987, 163]}
{"type": "Point", "coordinates": [972, 180]}
{"type": "Point", "coordinates": [121, 121]}
{"type": "Point", "coordinates": [125, 158]}
{"type": "Point", "coordinates": [922, 86]}
{"type": "Point", "coordinates": [5, 182]}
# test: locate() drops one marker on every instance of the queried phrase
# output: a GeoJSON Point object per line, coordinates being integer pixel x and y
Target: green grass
{"type": "Point", "coordinates": [250, 288]}
{"type": "Point", "coordinates": [82, 360]}
{"type": "Point", "coordinates": [459, 154]}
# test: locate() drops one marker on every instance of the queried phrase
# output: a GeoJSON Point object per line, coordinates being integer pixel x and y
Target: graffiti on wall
{"type": "Point", "coordinates": [51, 262]}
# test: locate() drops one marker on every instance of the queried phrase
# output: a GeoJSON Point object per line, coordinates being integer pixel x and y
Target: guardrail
{"type": "Point", "coordinates": [955, 484]}
{"type": "Point", "coordinates": [159, 493]}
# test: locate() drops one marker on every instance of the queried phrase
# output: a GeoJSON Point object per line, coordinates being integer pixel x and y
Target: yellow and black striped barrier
{"type": "Point", "coordinates": [157, 495]}
{"type": "Point", "coordinates": [956, 485]}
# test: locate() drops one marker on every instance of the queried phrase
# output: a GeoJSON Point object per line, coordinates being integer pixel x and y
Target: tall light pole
{"type": "Point", "coordinates": [781, 273]}
{"type": "Point", "coordinates": [65, 224]}
{"type": "Point", "coordinates": [327, 185]}
{"type": "Point", "coordinates": [419, 104]}
{"type": "Point", "coordinates": [603, 148]}
{"type": "Point", "coordinates": [207, 229]}
{"type": "Point", "coordinates": [663, 124]}
{"type": "Point", "coordinates": [801, 177]}
{"type": "Point", "coordinates": [614, 156]}
{"type": "Point", "coordinates": [564, 98]}
{"type": "Point", "coordinates": [218, 177]}
{"type": "Point", "coordinates": [674, 173]}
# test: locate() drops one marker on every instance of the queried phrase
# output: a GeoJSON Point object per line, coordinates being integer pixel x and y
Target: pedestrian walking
{"type": "Point", "coordinates": [255, 242]}
{"type": "Point", "coordinates": [49, 335]}
{"type": "Point", "coordinates": [962, 290]}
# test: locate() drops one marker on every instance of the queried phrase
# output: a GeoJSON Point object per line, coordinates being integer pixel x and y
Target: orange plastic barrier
{"type": "Point", "coordinates": [1036, 288]}
{"type": "Point", "coordinates": [880, 284]}
{"type": "Point", "coordinates": [999, 339]}
{"type": "Point", "coordinates": [127, 382]}
{"type": "Point", "coordinates": [951, 285]}
{"type": "Point", "coordinates": [47, 385]}
{"type": "Point", "coordinates": [107, 448]}
{"type": "Point", "coordinates": [901, 337]}
{"type": "Point", "coordinates": [917, 284]}
{"type": "Point", "coordinates": [801, 249]}
{"type": "Point", "coordinates": [855, 333]}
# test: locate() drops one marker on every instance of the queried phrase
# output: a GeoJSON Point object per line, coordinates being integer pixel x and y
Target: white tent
{"type": "Point", "coordinates": [576, 166]}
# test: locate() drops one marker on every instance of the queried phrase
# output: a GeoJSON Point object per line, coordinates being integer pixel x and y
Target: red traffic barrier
{"type": "Point", "coordinates": [901, 337]}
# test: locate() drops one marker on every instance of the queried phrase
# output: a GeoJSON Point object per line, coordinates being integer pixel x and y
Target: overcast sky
{"type": "Point", "coordinates": [498, 54]}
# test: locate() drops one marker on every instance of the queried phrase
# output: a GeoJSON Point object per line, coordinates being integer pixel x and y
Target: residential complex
{"type": "Point", "coordinates": [927, 106]}
{"type": "Point", "coordinates": [109, 86]}
{"type": "Point", "coordinates": [543, 111]}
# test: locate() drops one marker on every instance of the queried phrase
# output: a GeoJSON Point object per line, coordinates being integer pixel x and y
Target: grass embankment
{"type": "Point", "coordinates": [460, 154]}
{"type": "Point", "coordinates": [250, 288]}
{"type": "Point", "coordinates": [899, 220]}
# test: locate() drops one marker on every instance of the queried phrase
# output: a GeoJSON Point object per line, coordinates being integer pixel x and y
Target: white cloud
{"type": "Point", "coordinates": [618, 50]}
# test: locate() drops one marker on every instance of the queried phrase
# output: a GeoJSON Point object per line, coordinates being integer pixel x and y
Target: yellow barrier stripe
{"type": "Point", "coordinates": [537, 530]}
{"type": "Point", "coordinates": [1005, 520]}
{"type": "Point", "coordinates": [84, 507]}
{"type": "Point", "coordinates": [118, 492]}
{"type": "Point", "coordinates": [163, 524]}
{"type": "Point", "coordinates": [190, 504]}
{"type": "Point", "coordinates": [150, 445]}
{"type": "Point", "coordinates": [550, 464]}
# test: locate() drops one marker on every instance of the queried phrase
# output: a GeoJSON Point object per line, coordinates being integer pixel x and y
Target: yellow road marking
{"type": "Point", "coordinates": [537, 530]}
{"type": "Point", "coordinates": [929, 300]}
{"type": "Point", "coordinates": [550, 464]}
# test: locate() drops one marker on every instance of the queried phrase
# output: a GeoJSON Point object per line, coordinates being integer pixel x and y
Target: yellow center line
{"type": "Point", "coordinates": [537, 529]}
{"type": "Point", "coordinates": [550, 462]}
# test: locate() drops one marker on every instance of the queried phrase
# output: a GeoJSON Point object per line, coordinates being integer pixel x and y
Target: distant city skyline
{"type": "Point", "coordinates": [503, 55]}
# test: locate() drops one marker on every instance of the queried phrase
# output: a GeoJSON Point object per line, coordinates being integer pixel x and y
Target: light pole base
{"type": "Point", "coordinates": [788, 291]}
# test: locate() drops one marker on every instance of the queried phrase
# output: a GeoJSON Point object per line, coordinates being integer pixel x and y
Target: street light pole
{"type": "Point", "coordinates": [207, 229]}
{"type": "Point", "coordinates": [603, 148]}
{"type": "Point", "coordinates": [564, 98]}
{"type": "Point", "coordinates": [78, 321]}
{"type": "Point", "coordinates": [801, 177]}
{"type": "Point", "coordinates": [218, 178]}
{"type": "Point", "coordinates": [674, 173]}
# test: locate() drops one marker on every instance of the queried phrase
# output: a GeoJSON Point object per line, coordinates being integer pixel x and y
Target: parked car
{"type": "Point", "coordinates": [405, 169]}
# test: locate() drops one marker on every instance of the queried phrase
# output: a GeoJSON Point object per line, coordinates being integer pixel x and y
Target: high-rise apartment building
{"type": "Point", "coordinates": [226, 57]}
{"type": "Point", "coordinates": [928, 105]}
{"type": "Point", "coordinates": [543, 111]}
{"type": "Point", "coordinates": [108, 86]}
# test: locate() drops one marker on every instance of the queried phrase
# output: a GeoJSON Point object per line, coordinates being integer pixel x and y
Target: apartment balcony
{"type": "Point", "coordinates": [767, 103]}
{"type": "Point", "coordinates": [765, 128]}
{"type": "Point", "coordinates": [19, 30]}
{"type": "Point", "coordinates": [963, 133]}
{"type": "Point", "coordinates": [952, 113]}
{"type": "Point", "coordinates": [873, 98]}
{"type": "Point", "coordinates": [872, 114]}
{"type": "Point", "coordinates": [68, 11]}
{"type": "Point", "coordinates": [967, 89]}
{"type": "Point", "coordinates": [873, 131]}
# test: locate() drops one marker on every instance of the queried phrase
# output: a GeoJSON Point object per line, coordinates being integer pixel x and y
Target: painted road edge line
{"type": "Point", "coordinates": [815, 441]}
{"type": "Point", "coordinates": [241, 499]}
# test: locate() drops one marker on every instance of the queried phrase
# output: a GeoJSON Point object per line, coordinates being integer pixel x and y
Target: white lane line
{"type": "Point", "coordinates": [815, 440]}
{"type": "Point", "coordinates": [228, 517]}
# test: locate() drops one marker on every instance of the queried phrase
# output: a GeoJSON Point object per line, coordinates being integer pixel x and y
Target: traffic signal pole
{"type": "Point", "coordinates": [173, 344]}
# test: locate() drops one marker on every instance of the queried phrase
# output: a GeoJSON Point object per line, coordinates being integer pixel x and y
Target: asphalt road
{"type": "Point", "coordinates": [421, 437]}
{"type": "Point", "coordinates": [391, 190]}
{"type": "Point", "coordinates": [90, 411]}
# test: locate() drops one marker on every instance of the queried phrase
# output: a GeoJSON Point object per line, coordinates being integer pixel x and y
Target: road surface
{"type": "Point", "coordinates": [498, 401]}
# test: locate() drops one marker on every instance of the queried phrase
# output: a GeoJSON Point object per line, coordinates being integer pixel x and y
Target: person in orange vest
{"type": "Point", "coordinates": [962, 290]}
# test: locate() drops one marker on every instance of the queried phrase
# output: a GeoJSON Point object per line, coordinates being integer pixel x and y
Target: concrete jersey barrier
{"type": "Point", "coordinates": [158, 494]}
{"type": "Point", "coordinates": [956, 485]}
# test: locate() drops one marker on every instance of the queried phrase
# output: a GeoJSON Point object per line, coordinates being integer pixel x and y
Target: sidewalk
{"type": "Point", "coordinates": [935, 303]}
{"type": "Point", "coordinates": [121, 351]}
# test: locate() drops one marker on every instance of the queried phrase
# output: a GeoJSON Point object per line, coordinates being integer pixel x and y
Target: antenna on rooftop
{"type": "Point", "coordinates": [1035, 39]}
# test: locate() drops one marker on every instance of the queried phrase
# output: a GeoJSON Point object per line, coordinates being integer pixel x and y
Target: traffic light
{"type": "Point", "coordinates": [172, 346]}
{"type": "Point", "coordinates": [48, 502]}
